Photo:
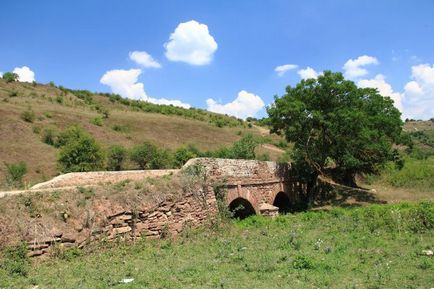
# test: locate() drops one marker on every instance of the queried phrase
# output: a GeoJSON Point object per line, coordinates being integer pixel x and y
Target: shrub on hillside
{"type": "Point", "coordinates": [10, 77]}
{"type": "Point", "coordinates": [49, 136]}
{"type": "Point", "coordinates": [15, 173]}
{"type": "Point", "coordinates": [149, 156]}
{"type": "Point", "coordinates": [183, 154]}
{"type": "Point", "coordinates": [98, 121]}
{"type": "Point", "coordinates": [116, 157]}
{"type": "Point", "coordinates": [28, 115]}
{"type": "Point", "coordinates": [79, 152]}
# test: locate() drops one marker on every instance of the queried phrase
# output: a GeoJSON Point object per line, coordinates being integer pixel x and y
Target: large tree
{"type": "Point", "coordinates": [337, 127]}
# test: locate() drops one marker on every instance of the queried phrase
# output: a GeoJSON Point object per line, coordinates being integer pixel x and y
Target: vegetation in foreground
{"type": "Point", "coordinates": [379, 246]}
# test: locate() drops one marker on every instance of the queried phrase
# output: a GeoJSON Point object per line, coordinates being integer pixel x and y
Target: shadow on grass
{"type": "Point", "coordinates": [347, 198]}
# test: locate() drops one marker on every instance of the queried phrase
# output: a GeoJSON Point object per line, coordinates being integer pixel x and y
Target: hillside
{"type": "Point", "coordinates": [128, 123]}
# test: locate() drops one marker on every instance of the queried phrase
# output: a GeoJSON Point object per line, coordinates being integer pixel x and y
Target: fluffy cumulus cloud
{"type": "Point", "coordinates": [246, 104]}
{"type": "Point", "coordinates": [384, 88]}
{"type": "Point", "coordinates": [282, 69]}
{"type": "Point", "coordinates": [418, 96]}
{"type": "Point", "coordinates": [355, 67]}
{"type": "Point", "coordinates": [144, 59]}
{"type": "Point", "coordinates": [307, 73]}
{"type": "Point", "coordinates": [25, 74]}
{"type": "Point", "coordinates": [125, 83]}
{"type": "Point", "coordinates": [192, 43]}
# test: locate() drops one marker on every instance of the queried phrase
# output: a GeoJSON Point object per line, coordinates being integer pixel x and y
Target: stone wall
{"type": "Point", "coordinates": [168, 218]}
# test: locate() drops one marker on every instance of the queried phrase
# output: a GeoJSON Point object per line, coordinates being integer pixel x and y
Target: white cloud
{"type": "Point", "coordinates": [282, 69]}
{"type": "Point", "coordinates": [124, 82]}
{"type": "Point", "coordinates": [418, 93]}
{"type": "Point", "coordinates": [355, 67]}
{"type": "Point", "coordinates": [384, 88]}
{"type": "Point", "coordinates": [25, 74]}
{"type": "Point", "coordinates": [307, 73]}
{"type": "Point", "coordinates": [191, 43]}
{"type": "Point", "coordinates": [144, 59]}
{"type": "Point", "coordinates": [246, 104]}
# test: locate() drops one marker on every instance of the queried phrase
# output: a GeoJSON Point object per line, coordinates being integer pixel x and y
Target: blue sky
{"type": "Point", "coordinates": [222, 55]}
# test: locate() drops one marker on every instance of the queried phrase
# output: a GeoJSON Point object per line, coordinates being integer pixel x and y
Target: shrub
{"type": "Point", "coordinates": [80, 152]}
{"type": "Point", "coordinates": [120, 128]}
{"type": "Point", "coordinates": [28, 115]}
{"type": "Point", "coordinates": [143, 154]}
{"type": "Point", "coordinates": [10, 77]}
{"type": "Point", "coordinates": [15, 260]}
{"type": "Point", "coordinates": [116, 157]}
{"type": "Point", "coordinates": [70, 134]}
{"type": "Point", "coordinates": [49, 136]}
{"type": "Point", "coordinates": [98, 121]}
{"type": "Point", "coordinates": [245, 148]}
{"type": "Point", "coordinates": [15, 173]}
{"type": "Point", "coordinates": [13, 93]}
{"type": "Point", "coordinates": [183, 154]}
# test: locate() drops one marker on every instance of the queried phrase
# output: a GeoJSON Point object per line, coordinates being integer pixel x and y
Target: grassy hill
{"type": "Point", "coordinates": [47, 107]}
{"type": "Point", "coordinates": [380, 246]}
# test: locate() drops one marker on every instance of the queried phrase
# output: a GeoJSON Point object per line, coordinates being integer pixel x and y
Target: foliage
{"type": "Point", "coordinates": [15, 173]}
{"type": "Point", "coordinates": [185, 153]}
{"type": "Point", "coordinates": [242, 149]}
{"type": "Point", "coordinates": [28, 115]}
{"type": "Point", "coordinates": [10, 77]}
{"type": "Point", "coordinates": [116, 157]}
{"type": "Point", "coordinates": [143, 154]}
{"type": "Point", "coordinates": [15, 260]}
{"type": "Point", "coordinates": [49, 136]}
{"type": "Point", "coordinates": [79, 152]}
{"type": "Point", "coordinates": [334, 123]}
{"type": "Point", "coordinates": [98, 121]}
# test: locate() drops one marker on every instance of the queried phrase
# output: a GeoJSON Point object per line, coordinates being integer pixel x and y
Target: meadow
{"type": "Point", "coordinates": [377, 246]}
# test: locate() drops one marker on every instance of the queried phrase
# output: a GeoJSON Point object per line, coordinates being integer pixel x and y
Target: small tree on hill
{"type": "Point", "coordinates": [143, 154]}
{"type": "Point", "coordinates": [79, 152]}
{"type": "Point", "coordinates": [335, 124]}
{"type": "Point", "coordinates": [10, 77]}
{"type": "Point", "coordinates": [16, 173]}
{"type": "Point", "coordinates": [116, 157]}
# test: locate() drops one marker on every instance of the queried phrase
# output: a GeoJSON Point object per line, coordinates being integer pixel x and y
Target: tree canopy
{"type": "Point", "coordinates": [335, 124]}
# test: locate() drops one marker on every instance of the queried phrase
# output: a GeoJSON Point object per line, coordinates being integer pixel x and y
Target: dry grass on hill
{"type": "Point", "coordinates": [22, 141]}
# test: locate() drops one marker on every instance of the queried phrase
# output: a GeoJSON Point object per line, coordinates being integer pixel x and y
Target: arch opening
{"type": "Point", "coordinates": [282, 202]}
{"type": "Point", "coordinates": [241, 208]}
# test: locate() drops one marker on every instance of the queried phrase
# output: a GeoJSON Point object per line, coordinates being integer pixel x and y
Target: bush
{"type": "Point", "coordinates": [49, 137]}
{"type": "Point", "coordinates": [116, 157]}
{"type": "Point", "coordinates": [143, 154]}
{"type": "Point", "coordinates": [120, 128]}
{"type": "Point", "coordinates": [98, 121]}
{"type": "Point", "coordinates": [148, 156]}
{"type": "Point", "coordinates": [13, 93]}
{"type": "Point", "coordinates": [80, 152]}
{"type": "Point", "coordinates": [15, 173]}
{"type": "Point", "coordinates": [15, 260]}
{"type": "Point", "coordinates": [10, 77]}
{"type": "Point", "coordinates": [28, 115]}
{"type": "Point", "coordinates": [183, 154]}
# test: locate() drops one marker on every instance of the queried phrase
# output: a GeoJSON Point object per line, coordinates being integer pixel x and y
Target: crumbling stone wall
{"type": "Point", "coordinates": [255, 181]}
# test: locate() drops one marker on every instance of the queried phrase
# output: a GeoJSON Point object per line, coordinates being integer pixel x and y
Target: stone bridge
{"type": "Point", "coordinates": [246, 187]}
{"type": "Point", "coordinates": [252, 187]}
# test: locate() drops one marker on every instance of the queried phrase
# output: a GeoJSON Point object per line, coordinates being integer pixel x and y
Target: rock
{"type": "Point", "coordinates": [68, 238]}
{"type": "Point", "coordinates": [34, 247]}
{"type": "Point", "coordinates": [429, 253]}
{"type": "Point", "coordinates": [122, 230]}
{"type": "Point", "coordinates": [35, 253]}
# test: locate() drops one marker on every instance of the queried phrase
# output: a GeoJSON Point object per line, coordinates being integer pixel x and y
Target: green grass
{"type": "Point", "coordinates": [415, 175]}
{"type": "Point", "coordinates": [369, 247]}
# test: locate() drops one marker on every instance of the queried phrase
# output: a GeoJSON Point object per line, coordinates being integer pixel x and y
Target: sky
{"type": "Point", "coordinates": [225, 56]}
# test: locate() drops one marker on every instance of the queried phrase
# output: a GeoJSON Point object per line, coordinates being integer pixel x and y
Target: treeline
{"type": "Point", "coordinates": [219, 120]}
{"type": "Point", "coordinates": [80, 152]}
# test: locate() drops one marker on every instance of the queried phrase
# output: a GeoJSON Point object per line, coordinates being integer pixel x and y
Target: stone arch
{"type": "Point", "coordinates": [241, 208]}
{"type": "Point", "coordinates": [282, 201]}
